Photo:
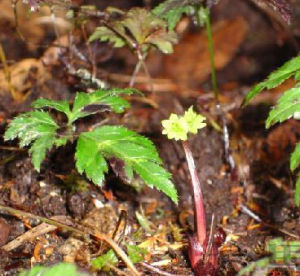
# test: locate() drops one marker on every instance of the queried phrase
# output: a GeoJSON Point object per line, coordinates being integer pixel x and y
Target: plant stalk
{"type": "Point", "coordinates": [228, 157]}
{"type": "Point", "coordinates": [200, 218]}
{"type": "Point", "coordinates": [211, 52]}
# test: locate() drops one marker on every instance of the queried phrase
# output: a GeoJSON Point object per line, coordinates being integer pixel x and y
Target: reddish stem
{"type": "Point", "coordinates": [200, 219]}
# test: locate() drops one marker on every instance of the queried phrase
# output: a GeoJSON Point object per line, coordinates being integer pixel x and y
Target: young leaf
{"type": "Point", "coordinates": [60, 269]}
{"type": "Point", "coordinates": [286, 71]}
{"type": "Point", "coordinates": [286, 107]}
{"type": "Point", "coordinates": [62, 106]}
{"type": "Point", "coordinates": [104, 34]}
{"type": "Point", "coordinates": [172, 11]}
{"type": "Point", "coordinates": [104, 260]}
{"type": "Point", "coordinates": [37, 127]}
{"type": "Point", "coordinates": [88, 159]}
{"type": "Point", "coordinates": [138, 153]}
{"type": "Point", "coordinates": [109, 98]}
{"type": "Point", "coordinates": [138, 27]}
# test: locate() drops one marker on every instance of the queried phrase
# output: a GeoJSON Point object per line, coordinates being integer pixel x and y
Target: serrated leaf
{"type": "Point", "coordinates": [39, 149]}
{"type": "Point", "coordinates": [60, 269]}
{"type": "Point", "coordinates": [104, 34]}
{"type": "Point", "coordinates": [37, 127]}
{"type": "Point", "coordinates": [89, 160]}
{"type": "Point", "coordinates": [29, 126]}
{"type": "Point", "coordinates": [287, 105]}
{"type": "Point", "coordinates": [136, 151]}
{"type": "Point", "coordinates": [109, 98]}
{"type": "Point", "coordinates": [62, 106]}
{"type": "Point", "coordinates": [138, 26]}
{"type": "Point", "coordinates": [104, 260]}
{"type": "Point", "coordinates": [172, 11]}
{"type": "Point", "coordinates": [286, 71]}
{"type": "Point", "coordinates": [295, 158]}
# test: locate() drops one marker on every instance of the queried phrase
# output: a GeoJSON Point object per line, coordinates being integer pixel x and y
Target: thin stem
{"type": "Point", "coordinates": [211, 52]}
{"type": "Point", "coordinates": [228, 156]}
{"type": "Point", "coordinates": [200, 219]}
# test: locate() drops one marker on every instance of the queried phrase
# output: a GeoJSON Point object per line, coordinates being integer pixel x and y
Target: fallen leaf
{"type": "Point", "coordinates": [22, 75]}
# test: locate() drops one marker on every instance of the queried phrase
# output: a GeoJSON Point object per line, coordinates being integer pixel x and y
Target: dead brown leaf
{"type": "Point", "coordinates": [22, 75]}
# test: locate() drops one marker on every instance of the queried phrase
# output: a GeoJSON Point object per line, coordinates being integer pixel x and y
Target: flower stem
{"type": "Point", "coordinates": [200, 219]}
{"type": "Point", "coordinates": [211, 53]}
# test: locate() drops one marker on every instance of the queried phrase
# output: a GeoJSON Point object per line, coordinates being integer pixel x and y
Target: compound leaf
{"type": "Point", "coordinates": [105, 34]}
{"type": "Point", "coordinates": [86, 104]}
{"type": "Point", "coordinates": [172, 11]}
{"type": "Point", "coordinates": [39, 149]}
{"type": "Point", "coordinates": [138, 26]}
{"type": "Point", "coordinates": [37, 127]}
{"type": "Point", "coordinates": [138, 153]}
{"type": "Point", "coordinates": [286, 107]}
{"type": "Point", "coordinates": [62, 106]}
{"type": "Point", "coordinates": [89, 160]}
{"type": "Point", "coordinates": [286, 71]}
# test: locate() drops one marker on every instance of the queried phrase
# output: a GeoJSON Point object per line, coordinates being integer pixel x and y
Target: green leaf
{"type": "Point", "coordinates": [286, 71]}
{"type": "Point", "coordinates": [37, 127]}
{"type": "Point", "coordinates": [86, 104]}
{"type": "Point", "coordinates": [138, 26]}
{"type": "Point", "coordinates": [135, 253]}
{"type": "Point", "coordinates": [62, 106]}
{"type": "Point", "coordinates": [39, 149]}
{"type": "Point", "coordinates": [104, 260]}
{"type": "Point", "coordinates": [172, 11]}
{"type": "Point", "coordinates": [104, 34]}
{"type": "Point", "coordinates": [295, 158]}
{"type": "Point", "coordinates": [89, 160]}
{"type": "Point", "coordinates": [136, 151]}
{"type": "Point", "coordinates": [60, 269]}
{"type": "Point", "coordinates": [287, 105]}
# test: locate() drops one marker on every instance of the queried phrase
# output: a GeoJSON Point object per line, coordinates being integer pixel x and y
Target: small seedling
{"type": "Point", "coordinates": [136, 153]}
{"type": "Point", "coordinates": [203, 257]}
{"type": "Point", "coordinates": [138, 29]}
